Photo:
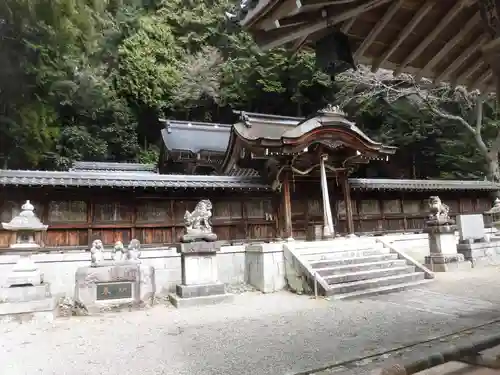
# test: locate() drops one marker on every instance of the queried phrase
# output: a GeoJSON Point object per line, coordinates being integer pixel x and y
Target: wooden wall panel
{"type": "Point", "coordinates": [5, 238]}
{"type": "Point", "coordinates": [76, 217]}
{"type": "Point", "coordinates": [260, 231]}
{"type": "Point", "coordinates": [149, 236]}
{"type": "Point", "coordinates": [110, 236]}
{"type": "Point", "coordinates": [66, 237]}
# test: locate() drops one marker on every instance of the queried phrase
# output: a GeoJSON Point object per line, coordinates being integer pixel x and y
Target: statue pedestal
{"type": "Point", "coordinates": [25, 273]}
{"type": "Point", "coordinates": [443, 256]}
{"type": "Point", "coordinates": [25, 294]}
{"type": "Point", "coordinates": [114, 285]}
{"type": "Point", "coordinates": [200, 284]}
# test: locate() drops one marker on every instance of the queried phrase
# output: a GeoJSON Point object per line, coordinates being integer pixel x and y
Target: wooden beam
{"type": "Point", "coordinates": [462, 78]}
{"type": "Point", "coordinates": [250, 16]}
{"type": "Point", "coordinates": [298, 44]}
{"type": "Point", "coordinates": [287, 206]}
{"type": "Point", "coordinates": [483, 78]}
{"type": "Point", "coordinates": [449, 46]}
{"type": "Point", "coordinates": [468, 52]}
{"type": "Point", "coordinates": [381, 24]}
{"type": "Point", "coordinates": [421, 13]}
{"type": "Point", "coordinates": [276, 38]}
{"type": "Point", "coordinates": [445, 21]}
{"type": "Point", "coordinates": [347, 25]}
{"type": "Point", "coordinates": [283, 9]}
{"type": "Point", "coordinates": [348, 204]}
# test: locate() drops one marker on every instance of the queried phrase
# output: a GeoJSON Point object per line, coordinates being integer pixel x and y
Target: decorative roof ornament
{"type": "Point", "coordinates": [245, 119]}
{"type": "Point", "coordinates": [333, 109]}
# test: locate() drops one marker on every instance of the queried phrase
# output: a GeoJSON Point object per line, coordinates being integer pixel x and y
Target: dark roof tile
{"type": "Point", "coordinates": [127, 179]}
{"type": "Point", "coordinates": [421, 185]}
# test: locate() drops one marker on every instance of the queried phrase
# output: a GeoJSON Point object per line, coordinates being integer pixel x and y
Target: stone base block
{"type": "Point", "coordinates": [449, 267]}
{"type": "Point", "coordinates": [16, 310]}
{"type": "Point", "coordinates": [25, 293]}
{"type": "Point", "coordinates": [447, 263]}
{"type": "Point", "coordinates": [25, 278]}
{"type": "Point", "coordinates": [104, 287]}
{"type": "Point", "coordinates": [481, 254]}
{"type": "Point", "coordinates": [200, 301]}
{"type": "Point", "coordinates": [190, 291]}
{"type": "Point", "coordinates": [35, 317]}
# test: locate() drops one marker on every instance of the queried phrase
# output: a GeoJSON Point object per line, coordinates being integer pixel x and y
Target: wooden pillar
{"type": "Point", "coordinates": [328, 229]}
{"type": "Point", "coordinates": [348, 204]}
{"type": "Point", "coordinates": [287, 206]}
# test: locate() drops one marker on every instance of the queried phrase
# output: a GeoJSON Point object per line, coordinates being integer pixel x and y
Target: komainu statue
{"type": "Point", "coordinates": [197, 223]}
{"type": "Point", "coordinates": [118, 251]}
{"type": "Point", "coordinates": [439, 212]}
{"type": "Point", "coordinates": [96, 253]}
{"type": "Point", "coordinates": [134, 250]}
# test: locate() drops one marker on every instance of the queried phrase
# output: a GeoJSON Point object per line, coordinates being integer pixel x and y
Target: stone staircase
{"type": "Point", "coordinates": [354, 267]}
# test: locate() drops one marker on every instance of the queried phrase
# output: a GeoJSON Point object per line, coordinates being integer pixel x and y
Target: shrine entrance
{"type": "Point", "coordinates": [320, 148]}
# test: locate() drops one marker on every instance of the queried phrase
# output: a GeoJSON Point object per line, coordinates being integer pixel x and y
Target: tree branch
{"type": "Point", "coordinates": [451, 117]}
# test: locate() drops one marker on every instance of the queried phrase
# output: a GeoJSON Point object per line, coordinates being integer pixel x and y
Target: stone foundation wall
{"type": "Point", "coordinates": [417, 245]}
{"type": "Point", "coordinates": [59, 268]}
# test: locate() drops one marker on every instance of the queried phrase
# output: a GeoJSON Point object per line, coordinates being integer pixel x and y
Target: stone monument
{"type": "Point", "coordinates": [25, 292]}
{"type": "Point", "coordinates": [473, 244]}
{"type": "Point", "coordinates": [441, 229]}
{"type": "Point", "coordinates": [120, 281]}
{"type": "Point", "coordinates": [198, 249]}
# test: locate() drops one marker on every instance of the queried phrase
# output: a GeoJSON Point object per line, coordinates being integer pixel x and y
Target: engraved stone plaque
{"type": "Point", "coordinates": [108, 291]}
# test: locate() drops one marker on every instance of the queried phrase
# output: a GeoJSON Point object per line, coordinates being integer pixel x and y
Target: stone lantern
{"type": "Point", "coordinates": [495, 215]}
{"type": "Point", "coordinates": [25, 226]}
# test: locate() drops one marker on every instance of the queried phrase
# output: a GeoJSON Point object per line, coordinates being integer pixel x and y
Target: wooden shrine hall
{"type": "Point", "coordinates": [323, 146]}
{"type": "Point", "coordinates": [267, 176]}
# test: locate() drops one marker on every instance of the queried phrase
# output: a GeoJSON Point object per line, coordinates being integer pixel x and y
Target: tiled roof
{"type": "Point", "coordinates": [421, 185]}
{"type": "Point", "coordinates": [107, 166]}
{"type": "Point", "coordinates": [238, 179]}
{"type": "Point", "coordinates": [195, 136]}
{"type": "Point", "coordinates": [128, 179]}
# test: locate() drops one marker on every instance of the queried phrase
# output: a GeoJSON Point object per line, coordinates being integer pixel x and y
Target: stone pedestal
{"type": "Point", "coordinates": [265, 267]}
{"type": "Point", "coordinates": [26, 295]}
{"type": "Point", "coordinates": [443, 254]}
{"type": "Point", "coordinates": [25, 272]}
{"type": "Point", "coordinates": [114, 285]}
{"type": "Point", "coordinates": [481, 254]}
{"type": "Point", "coordinates": [200, 283]}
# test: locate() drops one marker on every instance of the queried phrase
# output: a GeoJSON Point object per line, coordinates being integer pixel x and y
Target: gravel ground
{"type": "Point", "coordinates": [257, 334]}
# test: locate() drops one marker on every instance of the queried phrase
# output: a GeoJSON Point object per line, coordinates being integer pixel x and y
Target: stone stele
{"type": "Point", "coordinates": [101, 288]}
{"type": "Point", "coordinates": [109, 284]}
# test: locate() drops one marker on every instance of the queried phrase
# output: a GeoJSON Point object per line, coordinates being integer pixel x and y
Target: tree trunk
{"type": "Point", "coordinates": [493, 168]}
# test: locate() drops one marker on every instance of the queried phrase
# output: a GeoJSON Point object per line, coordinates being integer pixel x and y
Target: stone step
{"type": "Point", "coordinates": [332, 248]}
{"type": "Point", "coordinates": [355, 286]}
{"type": "Point", "coordinates": [356, 260]}
{"type": "Point", "coordinates": [344, 254]}
{"type": "Point", "coordinates": [350, 268]}
{"type": "Point", "coordinates": [368, 274]}
{"type": "Point", "coordinates": [381, 290]}
{"type": "Point", "coordinates": [338, 243]}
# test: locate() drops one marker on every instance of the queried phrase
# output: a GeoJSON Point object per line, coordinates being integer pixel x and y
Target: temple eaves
{"type": "Point", "coordinates": [443, 40]}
